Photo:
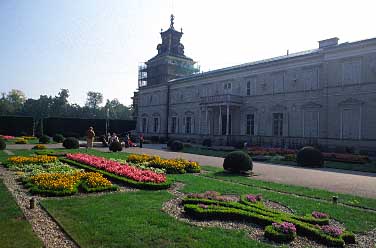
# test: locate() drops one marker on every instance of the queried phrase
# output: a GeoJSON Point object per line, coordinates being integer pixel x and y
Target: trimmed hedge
{"type": "Point", "coordinates": [116, 147]}
{"type": "Point", "coordinates": [280, 237]}
{"type": "Point", "coordinates": [176, 146]}
{"type": "Point", "coordinates": [130, 182]}
{"type": "Point", "coordinates": [44, 139]}
{"type": "Point", "coordinates": [71, 143]}
{"type": "Point", "coordinates": [58, 138]}
{"type": "Point", "coordinates": [263, 216]}
{"type": "Point", "coordinates": [309, 157]}
{"type": "Point", "coordinates": [237, 161]}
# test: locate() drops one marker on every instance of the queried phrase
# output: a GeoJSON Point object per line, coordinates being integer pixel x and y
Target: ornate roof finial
{"type": "Point", "coordinates": [172, 21]}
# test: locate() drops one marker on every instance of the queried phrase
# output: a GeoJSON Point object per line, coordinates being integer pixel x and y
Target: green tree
{"type": "Point", "coordinates": [94, 99]}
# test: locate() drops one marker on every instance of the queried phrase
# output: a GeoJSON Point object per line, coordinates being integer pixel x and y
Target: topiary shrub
{"type": "Point", "coordinates": [207, 142]}
{"type": "Point", "coordinates": [71, 143]}
{"type": "Point", "coordinates": [39, 147]}
{"type": "Point", "coordinates": [3, 145]}
{"type": "Point", "coordinates": [310, 157]}
{"type": "Point", "coordinates": [238, 161]}
{"type": "Point", "coordinates": [176, 146]}
{"type": "Point", "coordinates": [116, 147]}
{"type": "Point", "coordinates": [44, 139]}
{"type": "Point", "coordinates": [58, 138]}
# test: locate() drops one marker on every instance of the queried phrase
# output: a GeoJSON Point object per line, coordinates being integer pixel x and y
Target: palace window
{"type": "Point", "coordinates": [156, 125]}
{"type": "Point", "coordinates": [351, 72]}
{"type": "Point", "coordinates": [144, 125]}
{"type": "Point", "coordinates": [251, 87]}
{"type": "Point", "coordinates": [277, 124]}
{"type": "Point", "coordinates": [311, 79]}
{"type": "Point", "coordinates": [188, 125]}
{"type": "Point", "coordinates": [227, 86]}
{"type": "Point", "coordinates": [311, 123]}
{"type": "Point", "coordinates": [250, 124]}
{"type": "Point", "coordinates": [174, 125]}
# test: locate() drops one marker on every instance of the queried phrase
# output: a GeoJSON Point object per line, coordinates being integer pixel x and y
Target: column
{"type": "Point", "coordinates": [220, 121]}
{"type": "Point", "coordinates": [227, 119]}
{"type": "Point", "coordinates": [207, 124]}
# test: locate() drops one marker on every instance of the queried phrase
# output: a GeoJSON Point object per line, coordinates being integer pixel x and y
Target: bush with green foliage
{"type": "Point", "coordinates": [44, 139]}
{"type": "Point", "coordinates": [238, 161]}
{"type": "Point", "coordinates": [176, 146]}
{"type": "Point", "coordinates": [59, 138]}
{"type": "Point", "coordinates": [277, 235]}
{"type": "Point", "coordinates": [207, 142]}
{"type": "Point", "coordinates": [116, 146]}
{"type": "Point", "coordinates": [310, 157]}
{"type": "Point", "coordinates": [3, 145]}
{"type": "Point", "coordinates": [71, 143]}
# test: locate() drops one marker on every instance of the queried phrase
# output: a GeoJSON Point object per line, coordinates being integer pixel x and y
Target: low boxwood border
{"type": "Point", "coordinates": [272, 234]}
{"type": "Point", "coordinates": [127, 181]}
{"type": "Point", "coordinates": [87, 189]}
{"type": "Point", "coordinates": [34, 189]}
{"type": "Point", "coordinates": [262, 216]}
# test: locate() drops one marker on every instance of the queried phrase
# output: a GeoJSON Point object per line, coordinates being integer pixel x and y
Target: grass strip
{"type": "Point", "coordinates": [15, 230]}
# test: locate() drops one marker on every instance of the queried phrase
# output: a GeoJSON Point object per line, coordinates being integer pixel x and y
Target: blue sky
{"type": "Point", "coordinates": [96, 45]}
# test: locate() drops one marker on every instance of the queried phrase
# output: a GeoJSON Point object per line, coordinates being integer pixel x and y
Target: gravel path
{"type": "Point", "coordinates": [10, 153]}
{"type": "Point", "coordinates": [43, 225]}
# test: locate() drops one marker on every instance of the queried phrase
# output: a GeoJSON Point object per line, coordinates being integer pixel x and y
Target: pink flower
{"type": "Point", "coordinates": [331, 230]}
{"type": "Point", "coordinates": [285, 227]}
{"type": "Point", "coordinates": [118, 168]}
{"type": "Point", "coordinates": [254, 198]}
{"type": "Point", "coordinates": [319, 215]}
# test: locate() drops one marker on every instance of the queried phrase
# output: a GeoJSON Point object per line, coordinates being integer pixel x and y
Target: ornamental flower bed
{"type": "Point", "coordinates": [170, 165]}
{"type": "Point", "coordinates": [39, 159]}
{"type": "Point", "coordinates": [285, 228]}
{"type": "Point", "coordinates": [254, 198]}
{"type": "Point", "coordinates": [331, 230]}
{"type": "Point", "coordinates": [131, 175]}
{"type": "Point", "coordinates": [7, 137]}
{"type": "Point", "coordinates": [347, 158]}
{"type": "Point", "coordinates": [281, 232]}
{"type": "Point", "coordinates": [319, 215]}
{"type": "Point", "coordinates": [68, 183]}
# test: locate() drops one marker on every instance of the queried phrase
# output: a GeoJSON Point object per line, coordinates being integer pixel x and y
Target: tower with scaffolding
{"type": "Point", "coordinates": [170, 62]}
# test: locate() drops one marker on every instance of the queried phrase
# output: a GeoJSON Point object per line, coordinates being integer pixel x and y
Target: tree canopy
{"type": "Point", "coordinates": [15, 102]}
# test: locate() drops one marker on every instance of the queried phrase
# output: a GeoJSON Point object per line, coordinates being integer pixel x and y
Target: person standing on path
{"type": "Point", "coordinates": [141, 140]}
{"type": "Point", "coordinates": [90, 137]}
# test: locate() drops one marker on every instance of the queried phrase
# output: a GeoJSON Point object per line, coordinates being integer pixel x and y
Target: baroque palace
{"type": "Point", "coordinates": [324, 96]}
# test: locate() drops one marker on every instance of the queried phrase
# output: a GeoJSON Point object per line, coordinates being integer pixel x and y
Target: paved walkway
{"type": "Point", "coordinates": [342, 181]}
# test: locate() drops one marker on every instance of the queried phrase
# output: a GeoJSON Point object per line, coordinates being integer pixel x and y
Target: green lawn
{"type": "Point", "coordinates": [15, 231]}
{"type": "Point", "coordinates": [135, 220]}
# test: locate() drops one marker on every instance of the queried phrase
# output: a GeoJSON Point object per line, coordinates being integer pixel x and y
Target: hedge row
{"type": "Point", "coordinates": [127, 181]}
{"type": "Point", "coordinates": [262, 216]}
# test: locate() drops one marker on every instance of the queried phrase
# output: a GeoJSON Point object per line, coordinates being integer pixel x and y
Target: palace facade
{"type": "Point", "coordinates": [324, 96]}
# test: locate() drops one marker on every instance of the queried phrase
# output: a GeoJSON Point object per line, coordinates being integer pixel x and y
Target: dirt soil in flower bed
{"type": "Point", "coordinates": [174, 208]}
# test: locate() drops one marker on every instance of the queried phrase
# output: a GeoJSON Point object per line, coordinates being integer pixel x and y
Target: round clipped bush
{"type": "Point", "coordinates": [58, 138]}
{"type": "Point", "coordinates": [71, 143]}
{"type": "Point", "coordinates": [207, 142]}
{"type": "Point", "coordinates": [238, 161]}
{"type": "Point", "coordinates": [44, 139]}
{"type": "Point", "coordinates": [176, 146]}
{"type": "Point", "coordinates": [310, 157]}
{"type": "Point", "coordinates": [3, 145]}
{"type": "Point", "coordinates": [116, 146]}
